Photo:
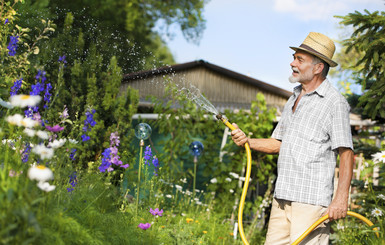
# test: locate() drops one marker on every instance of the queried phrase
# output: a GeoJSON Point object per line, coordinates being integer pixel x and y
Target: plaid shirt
{"type": "Point", "coordinates": [310, 139]}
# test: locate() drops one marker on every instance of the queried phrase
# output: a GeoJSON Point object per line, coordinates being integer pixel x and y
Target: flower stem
{"type": "Point", "coordinates": [140, 168]}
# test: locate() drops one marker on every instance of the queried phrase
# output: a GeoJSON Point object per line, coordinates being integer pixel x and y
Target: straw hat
{"type": "Point", "coordinates": [319, 45]}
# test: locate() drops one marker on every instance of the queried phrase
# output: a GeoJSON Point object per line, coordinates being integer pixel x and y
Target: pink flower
{"type": "Point", "coordinates": [144, 226]}
{"type": "Point", "coordinates": [156, 212]}
{"type": "Point", "coordinates": [55, 128]}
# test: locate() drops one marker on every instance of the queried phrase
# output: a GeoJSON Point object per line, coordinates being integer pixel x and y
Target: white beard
{"type": "Point", "coordinates": [293, 79]}
{"type": "Point", "coordinates": [301, 77]}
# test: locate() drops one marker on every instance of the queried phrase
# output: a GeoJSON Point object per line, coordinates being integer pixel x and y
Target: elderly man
{"type": "Point", "coordinates": [314, 129]}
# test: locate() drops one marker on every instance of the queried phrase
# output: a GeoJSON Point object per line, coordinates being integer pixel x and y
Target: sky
{"type": "Point", "coordinates": [252, 37]}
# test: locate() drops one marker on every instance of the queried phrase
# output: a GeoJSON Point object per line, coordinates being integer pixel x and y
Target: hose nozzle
{"type": "Point", "coordinates": [219, 116]}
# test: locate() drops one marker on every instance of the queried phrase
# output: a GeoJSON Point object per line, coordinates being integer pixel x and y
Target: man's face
{"type": "Point", "coordinates": [302, 67]}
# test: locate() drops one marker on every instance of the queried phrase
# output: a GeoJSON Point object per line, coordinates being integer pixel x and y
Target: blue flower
{"type": "Point", "coordinates": [88, 123]}
{"type": "Point", "coordinates": [12, 45]}
{"type": "Point", "coordinates": [106, 161]}
{"type": "Point", "coordinates": [25, 154]}
{"type": "Point", "coordinates": [47, 95]}
{"type": "Point", "coordinates": [16, 86]}
{"type": "Point", "coordinates": [6, 21]}
{"type": "Point", "coordinates": [147, 155]}
{"type": "Point", "coordinates": [72, 181]}
{"type": "Point", "coordinates": [72, 154]}
{"type": "Point", "coordinates": [62, 59]}
{"type": "Point", "coordinates": [85, 137]}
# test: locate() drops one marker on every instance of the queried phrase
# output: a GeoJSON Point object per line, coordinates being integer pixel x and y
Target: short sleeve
{"type": "Point", "coordinates": [340, 134]}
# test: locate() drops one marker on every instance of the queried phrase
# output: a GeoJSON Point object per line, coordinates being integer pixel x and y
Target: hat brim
{"type": "Point", "coordinates": [322, 57]}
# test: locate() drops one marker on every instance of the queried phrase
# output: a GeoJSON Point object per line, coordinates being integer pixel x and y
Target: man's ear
{"type": "Point", "coordinates": [318, 68]}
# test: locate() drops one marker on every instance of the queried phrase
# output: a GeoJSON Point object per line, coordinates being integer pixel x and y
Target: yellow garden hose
{"type": "Point", "coordinates": [244, 192]}
{"type": "Point", "coordinates": [246, 185]}
{"type": "Point", "coordinates": [311, 228]}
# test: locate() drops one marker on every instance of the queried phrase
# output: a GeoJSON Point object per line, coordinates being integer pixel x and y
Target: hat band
{"type": "Point", "coordinates": [312, 50]}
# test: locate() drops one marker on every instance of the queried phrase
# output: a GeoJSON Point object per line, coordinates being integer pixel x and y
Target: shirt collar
{"type": "Point", "coordinates": [321, 90]}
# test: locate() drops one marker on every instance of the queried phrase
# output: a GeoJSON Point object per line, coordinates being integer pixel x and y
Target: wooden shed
{"type": "Point", "coordinates": [224, 88]}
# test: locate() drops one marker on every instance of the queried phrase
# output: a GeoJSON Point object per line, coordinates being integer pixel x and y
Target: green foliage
{"type": "Point", "coordinates": [368, 40]}
{"type": "Point", "coordinates": [130, 30]}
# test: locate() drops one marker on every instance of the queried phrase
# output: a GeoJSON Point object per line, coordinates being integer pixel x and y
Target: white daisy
{"type": "Point", "coordinates": [15, 119]}
{"type": "Point", "coordinates": [73, 141]}
{"type": "Point", "coordinates": [376, 212]}
{"type": "Point", "coordinates": [379, 157]}
{"type": "Point", "coordinates": [57, 143]}
{"type": "Point", "coordinates": [178, 187]}
{"type": "Point", "coordinates": [28, 122]}
{"type": "Point", "coordinates": [29, 132]}
{"type": "Point", "coordinates": [40, 173]}
{"type": "Point", "coordinates": [45, 186]}
{"type": "Point", "coordinates": [236, 176]}
{"type": "Point", "coordinates": [42, 134]}
{"type": "Point", "coordinates": [381, 196]}
{"type": "Point", "coordinates": [23, 100]}
{"type": "Point", "coordinates": [214, 180]}
{"type": "Point", "coordinates": [43, 151]}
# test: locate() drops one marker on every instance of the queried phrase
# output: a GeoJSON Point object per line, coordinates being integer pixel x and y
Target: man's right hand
{"type": "Point", "coordinates": [238, 136]}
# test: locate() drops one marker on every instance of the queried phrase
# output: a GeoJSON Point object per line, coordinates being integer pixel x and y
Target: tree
{"type": "Point", "coordinates": [123, 28]}
{"type": "Point", "coordinates": [368, 39]}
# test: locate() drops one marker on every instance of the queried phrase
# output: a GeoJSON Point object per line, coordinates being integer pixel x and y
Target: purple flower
{"type": "Point", "coordinates": [64, 114]}
{"type": "Point", "coordinates": [6, 21]}
{"type": "Point", "coordinates": [110, 155]}
{"type": "Point", "coordinates": [156, 212]}
{"type": "Point", "coordinates": [54, 129]}
{"type": "Point", "coordinates": [147, 155]}
{"type": "Point", "coordinates": [144, 226]}
{"type": "Point", "coordinates": [12, 46]}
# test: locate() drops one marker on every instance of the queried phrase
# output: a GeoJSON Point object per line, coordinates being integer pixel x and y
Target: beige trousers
{"type": "Point", "coordinates": [289, 220]}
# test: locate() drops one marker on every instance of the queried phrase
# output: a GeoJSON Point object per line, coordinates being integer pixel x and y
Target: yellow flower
{"type": "Point", "coordinates": [188, 220]}
{"type": "Point", "coordinates": [204, 232]}
{"type": "Point", "coordinates": [231, 234]}
{"type": "Point", "coordinates": [162, 226]}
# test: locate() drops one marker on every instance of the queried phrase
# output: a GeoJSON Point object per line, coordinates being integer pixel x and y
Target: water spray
{"type": "Point", "coordinates": [244, 192]}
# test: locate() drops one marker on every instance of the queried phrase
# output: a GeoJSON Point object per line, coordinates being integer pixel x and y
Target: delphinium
{"type": "Point", "coordinates": [16, 86]}
{"type": "Point", "coordinates": [89, 123]}
{"type": "Point", "coordinates": [110, 155]}
{"type": "Point", "coordinates": [12, 45]}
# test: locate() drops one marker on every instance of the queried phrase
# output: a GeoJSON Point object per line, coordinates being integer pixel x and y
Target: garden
{"type": "Point", "coordinates": [76, 168]}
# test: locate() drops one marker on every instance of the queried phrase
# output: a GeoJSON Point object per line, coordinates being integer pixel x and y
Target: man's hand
{"type": "Point", "coordinates": [337, 209]}
{"type": "Point", "coordinates": [339, 206]}
{"type": "Point", "coordinates": [238, 136]}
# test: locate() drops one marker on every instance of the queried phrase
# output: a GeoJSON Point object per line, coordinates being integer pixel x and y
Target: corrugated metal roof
{"type": "Point", "coordinates": [201, 63]}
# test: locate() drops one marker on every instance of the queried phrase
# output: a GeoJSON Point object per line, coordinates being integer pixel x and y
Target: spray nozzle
{"type": "Point", "coordinates": [219, 116]}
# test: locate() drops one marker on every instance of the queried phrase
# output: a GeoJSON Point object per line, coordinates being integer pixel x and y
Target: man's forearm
{"type": "Point", "coordinates": [345, 173]}
{"type": "Point", "coordinates": [268, 146]}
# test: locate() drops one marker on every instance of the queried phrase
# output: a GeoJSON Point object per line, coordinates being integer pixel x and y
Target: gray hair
{"type": "Point", "coordinates": [325, 71]}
